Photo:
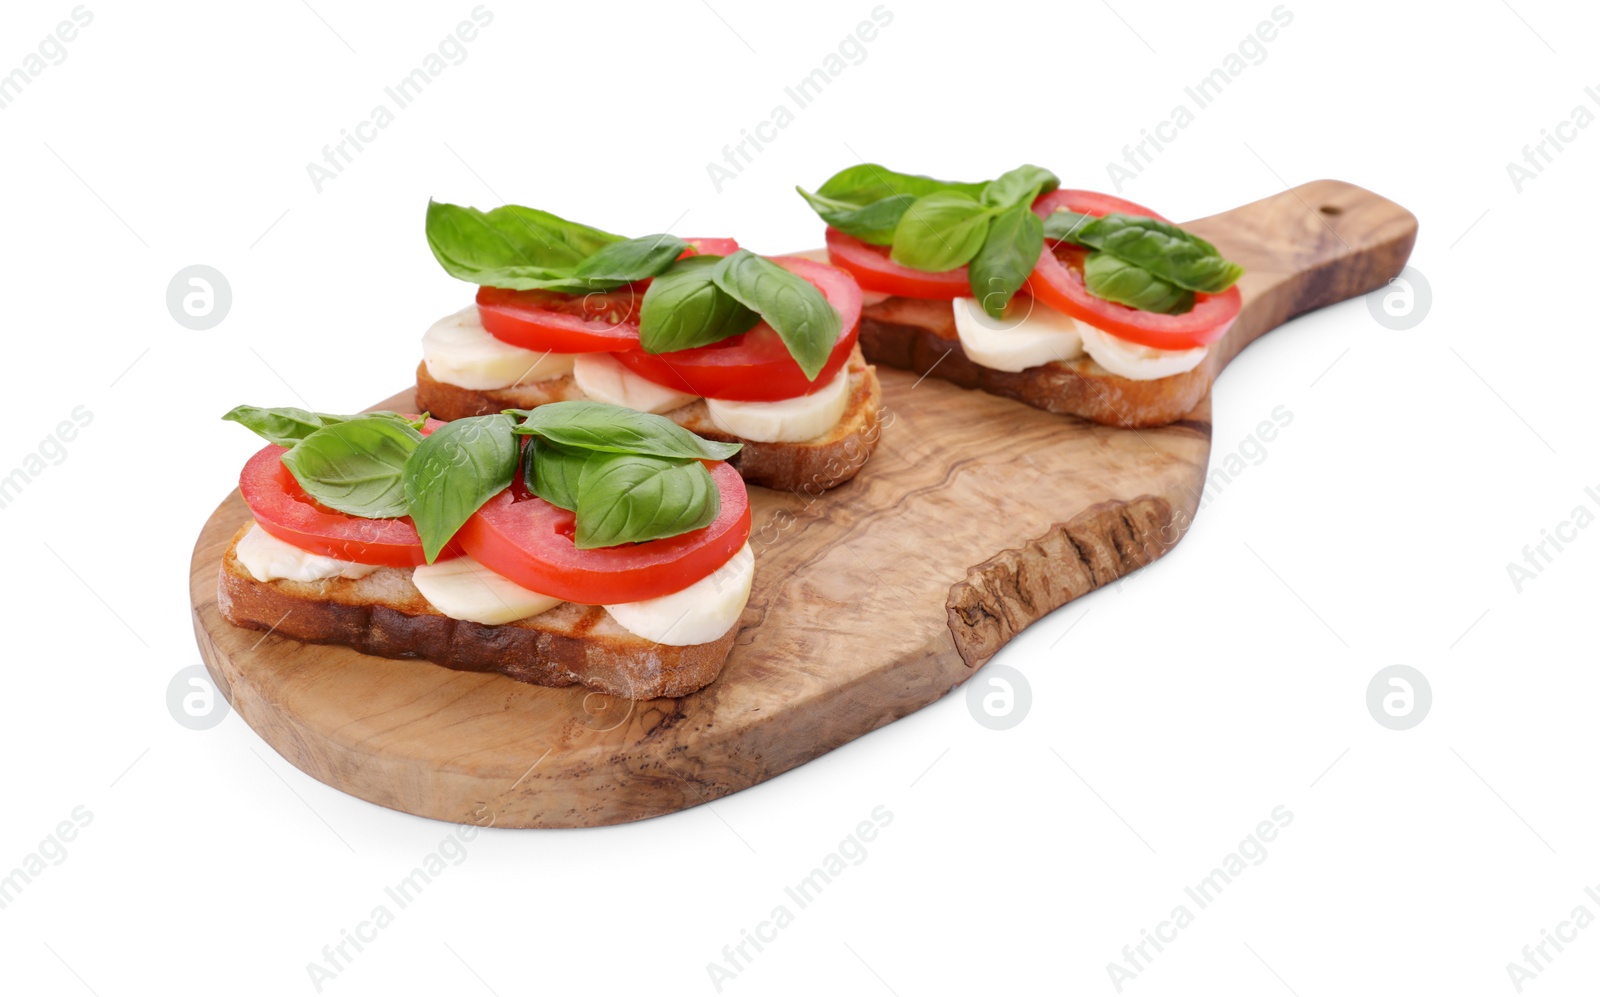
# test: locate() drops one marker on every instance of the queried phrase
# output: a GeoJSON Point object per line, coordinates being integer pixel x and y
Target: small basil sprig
{"type": "Point", "coordinates": [525, 249]}
{"type": "Point", "coordinates": [288, 426]}
{"type": "Point", "coordinates": [453, 472]}
{"type": "Point", "coordinates": [356, 466]}
{"type": "Point", "coordinates": [705, 299]}
{"type": "Point", "coordinates": [1144, 263]}
{"type": "Point", "coordinates": [936, 225]}
{"type": "Point", "coordinates": [626, 476]}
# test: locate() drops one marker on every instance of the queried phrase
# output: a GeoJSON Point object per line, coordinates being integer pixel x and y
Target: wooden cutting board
{"type": "Point", "coordinates": [976, 517]}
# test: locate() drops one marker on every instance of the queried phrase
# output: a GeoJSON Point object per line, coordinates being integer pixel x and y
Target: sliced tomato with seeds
{"type": "Point", "coordinates": [283, 509]}
{"type": "Point", "coordinates": [529, 541]}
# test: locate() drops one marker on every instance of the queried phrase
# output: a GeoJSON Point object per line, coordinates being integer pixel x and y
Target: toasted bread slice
{"type": "Point", "coordinates": [920, 335]}
{"type": "Point", "coordinates": [807, 467]}
{"type": "Point", "coordinates": [384, 614]}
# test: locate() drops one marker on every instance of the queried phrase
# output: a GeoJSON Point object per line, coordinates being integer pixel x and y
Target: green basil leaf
{"type": "Point", "coordinates": [627, 498]}
{"type": "Point", "coordinates": [453, 472]}
{"type": "Point", "coordinates": [872, 223]}
{"type": "Point", "coordinates": [1113, 279]}
{"type": "Point", "coordinates": [356, 466]}
{"type": "Point", "coordinates": [511, 246]}
{"type": "Point", "coordinates": [865, 183]}
{"type": "Point", "coordinates": [1164, 249]}
{"type": "Point", "coordinates": [623, 263]}
{"type": "Point", "coordinates": [802, 317]}
{"type": "Point", "coordinates": [941, 231]}
{"type": "Point", "coordinates": [609, 428]}
{"type": "Point", "coordinates": [1021, 184]}
{"type": "Point", "coordinates": [1008, 256]}
{"type": "Point", "coordinates": [551, 471]}
{"type": "Point", "coordinates": [283, 426]}
{"type": "Point", "coordinates": [683, 308]}
{"type": "Point", "coordinates": [1066, 226]}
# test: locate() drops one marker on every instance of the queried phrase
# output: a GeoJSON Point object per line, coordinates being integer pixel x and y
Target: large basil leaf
{"type": "Point", "coordinates": [596, 426]}
{"type": "Point", "coordinates": [873, 222]}
{"type": "Point", "coordinates": [551, 471]}
{"type": "Point", "coordinates": [868, 182]}
{"type": "Point", "coordinates": [1163, 249]}
{"type": "Point", "coordinates": [453, 472]}
{"type": "Point", "coordinates": [623, 263]}
{"type": "Point", "coordinates": [283, 426]}
{"type": "Point", "coordinates": [941, 231]}
{"type": "Point", "coordinates": [511, 246]}
{"type": "Point", "coordinates": [1024, 183]}
{"type": "Point", "coordinates": [802, 317]}
{"type": "Point", "coordinates": [1066, 226]}
{"type": "Point", "coordinates": [356, 466]}
{"type": "Point", "coordinates": [1008, 256]}
{"type": "Point", "coordinates": [683, 308]}
{"type": "Point", "coordinates": [1114, 279]}
{"type": "Point", "coordinates": [627, 498]}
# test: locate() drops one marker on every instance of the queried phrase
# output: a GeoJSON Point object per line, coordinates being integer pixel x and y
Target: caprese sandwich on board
{"type": "Point", "coordinates": [1067, 300]}
{"type": "Point", "coordinates": [576, 543]}
{"type": "Point", "coordinates": [734, 346]}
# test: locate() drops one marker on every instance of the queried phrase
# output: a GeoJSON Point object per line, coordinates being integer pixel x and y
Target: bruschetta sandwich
{"type": "Point", "coordinates": [736, 347]}
{"type": "Point", "coordinates": [577, 542]}
{"type": "Point", "coordinates": [1066, 300]}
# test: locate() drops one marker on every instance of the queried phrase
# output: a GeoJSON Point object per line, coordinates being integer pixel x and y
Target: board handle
{"type": "Point", "coordinates": [1310, 246]}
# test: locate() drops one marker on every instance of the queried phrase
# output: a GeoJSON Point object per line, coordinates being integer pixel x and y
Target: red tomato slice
{"type": "Point", "coordinates": [284, 510]}
{"type": "Point", "coordinates": [597, 322]}
{"type": "Point", "coordinates": [529, 541]}
{"type": "Point", "coordinates": [1057, 281]}
{"type": "Point", "coordinates": [756, 366]}
{"type": "Point", "coordinates": [874, 271]}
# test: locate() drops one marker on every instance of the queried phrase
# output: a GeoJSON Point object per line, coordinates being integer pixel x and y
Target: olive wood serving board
{"type": "Point", "coordinates": [870, 601]}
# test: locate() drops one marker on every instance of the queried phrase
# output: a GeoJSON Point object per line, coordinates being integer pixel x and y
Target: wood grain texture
{"type": "Point", "coordinates": [870, 601]}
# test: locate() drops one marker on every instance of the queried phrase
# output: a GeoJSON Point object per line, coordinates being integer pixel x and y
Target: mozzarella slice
{"type": "Point", "coordinates": [1136, 362]}
{"type": "Point", "coordinates": [463, 589]}
{"type": "Point", "coordinates": [790, 420]}
{"type": "Point", "coordinates": [605, 380]}
{"type": "Point", "coordinates": [698, 614]}
{"type": "Point", "coordinates": [458, 351]}
{"type": "Point", "coordinates": [1027, 334]}
{"type": "Point", "coordinates": [268, 558]}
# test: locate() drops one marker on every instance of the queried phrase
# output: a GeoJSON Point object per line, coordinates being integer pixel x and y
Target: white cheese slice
{"type": "Point", "coordinates": [790, 420]}
{"type": "Point", "coordinates": [457, 350]}
{"type": "Point", "coordinates": [603, 379]}
{"type": "Point", "coordinates": [1027, 334]}
{"type": "Point", "coordinates": [698, 614]}
{"type": "Point", "coordinates": [1136, 362]}
{"type": "Point", "coordinates": [267, 558]}
{"type": "Point", "coordinates": [463, 589]}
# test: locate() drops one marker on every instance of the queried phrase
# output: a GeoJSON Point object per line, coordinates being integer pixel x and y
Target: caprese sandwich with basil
{"type": "Point", "coordinates": [1067, 300]}
{"type": "Point", "coordinates": [734, 346]}
{"type": "Point", "coordinates": [575, 543]}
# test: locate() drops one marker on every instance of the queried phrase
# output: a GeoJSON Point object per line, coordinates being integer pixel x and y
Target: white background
{"type": "Point", "coordinates": [1185, 705]}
